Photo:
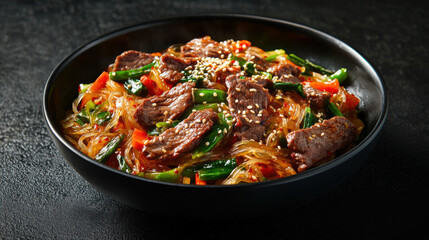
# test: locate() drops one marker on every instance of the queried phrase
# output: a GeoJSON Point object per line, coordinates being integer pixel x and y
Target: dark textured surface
{"type": "Point", "coordinates": [42, 197]}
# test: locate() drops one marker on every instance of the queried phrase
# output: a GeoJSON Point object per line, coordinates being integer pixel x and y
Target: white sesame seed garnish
{"type": "Point", "coordinates": [252, 90]}
{"type": "Point", "coordinates": [207, 143]}
{"type": "Point", "coordinates": [219, 109]}
{"type": "Point", "coordinates": [249, 107]}
{"type": "Point", "coordinates": [225, 130]}
{"type": "Point", "coordinates": [259, 115]}
{"type": "Point", "coordinates": [219, 132]}
{"type": "Point", "coordinates": [164, 151]}
{"type": "Point", "coordinates": [204, 120]}
{"type": "Point", "coordinates": [278, 146]}
{"type": "Point", "coordinates": [313, 135]}
{"type": "Point", "coordinates": [154, 104]}
{"type": "Point", "coordinates": [215, 94]}
{"type": "Point", "coordinates": [256, 105]}
{"type": "Point", "coordinates": [322, 134]}
{"type": "Point", "coordinates": [237, 89]}
{"type": "Point", "coordinates": [236, 101]}
{"type": "Point", "coordinates": [166, 113]}
{"type": "Point", "coordinates": [257, 122]}
{"type": "Point", "coordinates": [310, 138]}
{"type": "Point", "coordinates": [252, 111]}
{"type": "Point", "coordinates": [160, 138]}
{"type": "Point", "coordinates": [177, 131]}
{"type": "Point", "coordinates": [201, 94]}
{"type": "Point", "coordinates": [204, 102]}
{"type": "Point", "coordinates": [113, 73]}
{"type": "Point", "coordinates": [194, 110]}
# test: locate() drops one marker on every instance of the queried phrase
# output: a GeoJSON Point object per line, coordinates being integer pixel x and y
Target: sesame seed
{"type": "Point", "coordinates": [166, 113]}
{"type": "Point", "coordinates": [204, 120]}
{"type": "Point", "coordinates": [278, 146]}
{"type": "Point", "coordinates": [252, 90]}
{"type": "Point", "coordinates": [160, 138]}
{"type": "Point", "coordinates": [322, 134]}
{"type": "Point", "coordinates": [249, 107]}
{"type": "Point", "coordinates": [198, 120]}
{"type": "Point", "coordinates": [145, 142]}
{"type": "Point", "coordinates": [194, 110]}
{"type": "Point", "coordinates": [252, 111]}
{"type": "Point", "coordinates": [236, 101]}
{"type": "Point", "coordinates": [257, 122]}
{"type": "Point", "coordinates": [259, 115]}
{"type": "Point", "coordinates": [310, 138]}
{"type": "Point", "coordinates": [256, 105]}
{"type": "Point", "coordinates": [164, 151]}
{"type": "Point", "coordinates": [225, 130]}
{"type": "Point", "coordinates": [113, 73]}
{"type": "Point", "coordinates": [237, 89]}
{"type": "Point", "coordinates": [219, 132]}
{"type": "Point", "coordinates": [207, 143]}
{"type": "Point", "coordinates": [204, 102]}
{"type": "Point", "coordinates": [219, 109]}
{"type": "Point", "coordinates": [154, 104]}
{"type": "Point", "coordinates": [239, 112]}
{"type": "Point", "coordinates": [232, 109]}
{"type": "Point", "coordinates": [313, 135]}
{"type": "Point", "coordinates": [201, 94]}
{"type": "Point", "coordinates": [177, 131]}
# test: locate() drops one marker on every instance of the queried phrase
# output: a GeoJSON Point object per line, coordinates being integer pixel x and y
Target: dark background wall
{"type": "Point", "coordinates": [41, 197]}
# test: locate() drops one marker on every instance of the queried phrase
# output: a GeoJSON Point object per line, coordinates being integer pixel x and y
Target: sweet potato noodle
{"type": "Point", "coordinates": [209, 112]}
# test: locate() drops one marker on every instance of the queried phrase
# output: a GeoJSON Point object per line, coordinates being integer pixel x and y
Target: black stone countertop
{"type": "Point", "coordinates": [42, 197]}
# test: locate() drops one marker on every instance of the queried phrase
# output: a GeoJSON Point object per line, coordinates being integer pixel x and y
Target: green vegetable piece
{"type": "Point", "coordinates": [154, 131]}
{"type": "Point", "coordinates": [241, 61]}
{"type": "Point", "coordinates": [309, 118]}
{"type": "Point", "coordinates": [84, 115]}
{"type": "Point", "coordinates": [297, 87]}
{"type": "Point", "coordinates": [167, 176]}
{"type": "Point", "coordinates": [90, 105]}
{"type": "Point", "coordinates": [341, 75]}
{"type": "Point", "coordinates": [272, 55]}
{"type": "Point", "coordinates": [123, 166]}
{"type": "Point", "coordinates": [198, 107]}
{"type": "Point", "coordinates": [167, 124]}
{"type": "Point", "coordinates": [122, 76]}
{"type": "Point", "coordinates": [109, 149]}
{"type": "Point", "coordinates": [84, 87]}
{"type": "Point", "coordinates": [225, 164]}
{"type": "Point", "coordinates": [309, 66]}
{"type": "Point", "coordinates": [333, 109]}
{"type": "Point", "coordinates": [214, 174]}
{"type": "Point", "coordinates": [219, 130]}
{"type": "Point", "coordinates": [266, 74]}
{"type": "Point", "coordinates": [135, 87]}
{"type": "Point", "coordinates": [209, 95]}
{"type": "Point", "coordinates": [102, 117]}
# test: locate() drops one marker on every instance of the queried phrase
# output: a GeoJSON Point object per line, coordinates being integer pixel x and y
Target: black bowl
{"type": "Point", "coordinates": [86, 63]}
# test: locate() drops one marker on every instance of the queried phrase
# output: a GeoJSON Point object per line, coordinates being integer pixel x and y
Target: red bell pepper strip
{"type": "Point", "coordinates": [198, 181]}
{"type": "Point", "coordinates": [331, 87]}
{"type": "Point", "coordinates": [138, 139]}
{"type": "Point", "coordinates": [152, 89]}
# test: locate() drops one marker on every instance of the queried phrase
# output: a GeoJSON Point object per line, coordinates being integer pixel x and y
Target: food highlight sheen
{"type": "Point", "coordinates": [210, 112]}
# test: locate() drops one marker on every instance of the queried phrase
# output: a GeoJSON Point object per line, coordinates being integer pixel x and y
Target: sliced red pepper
{"type": "Point", "coordinates": [198, 181]}
{"type": "Point", "coordinates": [331, 87]}
{"type": "Point", "coordinates": [99, 83]}
{"type": "Point", "coordinates": [352, 101]}
{"type": "Point", "coordinates": [138, 139]}
{"type": "Point", "coordinates": [152, 89]}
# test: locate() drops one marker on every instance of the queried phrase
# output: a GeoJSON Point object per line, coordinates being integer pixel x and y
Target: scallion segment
{"type": "Point", "coordinates": [122, 76]}
{"type": "Point", "coordinates": [109, 149]}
